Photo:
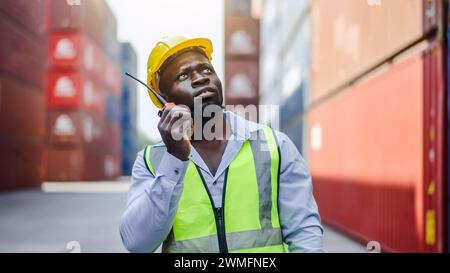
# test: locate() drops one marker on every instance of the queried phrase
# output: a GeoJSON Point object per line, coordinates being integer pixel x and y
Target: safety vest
{"type": "Point", "coordinates": [247, 221]}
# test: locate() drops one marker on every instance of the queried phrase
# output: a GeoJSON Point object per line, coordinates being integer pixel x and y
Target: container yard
{"type": "Point", "coordinates": [359, 87]}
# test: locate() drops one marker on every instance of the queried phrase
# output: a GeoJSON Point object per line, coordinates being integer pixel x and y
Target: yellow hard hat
{"type": "Point", "coordinates": [166, 48]}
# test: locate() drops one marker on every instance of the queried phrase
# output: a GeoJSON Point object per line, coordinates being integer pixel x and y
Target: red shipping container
{"type": "Point", "coordinates": [241, 37]}
{"type": "Point", "coordinates": [87, 17]}
{"type": "Point", "coordinates": [28, 14]}
{"type": "Point", "coordinates": [112, 145]}
{"type": "Point", "coordinates": [76, 127]}
{"type": "Point", "coordinates": [66, 164]}
{"type": "Point", "coordinates": [80, 163]}
{"type": "Point", "coordinates": [21, 56]}
{"type": "Point", "coordinates": [74, 51]}
{"type": "Point", "coordinates": [350, 37]}
{"type": "Point", "coordinates": [21, 109]}
{"type": "Point", "coordinates": [20, 161]}
{"type": "Point", "coordinates": [74, 90]}
{"type": "Point", "coordinates": [370, 155]}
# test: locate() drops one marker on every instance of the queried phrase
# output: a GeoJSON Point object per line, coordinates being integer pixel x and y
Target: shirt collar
{"type": "Point", "coordinates": [241, 128]}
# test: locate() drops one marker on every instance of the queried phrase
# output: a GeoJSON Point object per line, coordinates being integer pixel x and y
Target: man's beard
{"type": "Point", "coordinates": [205, 114]}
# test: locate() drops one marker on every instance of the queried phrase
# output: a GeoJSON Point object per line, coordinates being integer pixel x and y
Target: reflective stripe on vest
{"type": "Point", "coordinates": [248, 220]}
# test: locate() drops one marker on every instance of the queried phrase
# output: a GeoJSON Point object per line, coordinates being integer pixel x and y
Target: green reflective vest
{"type": "Point", "coordinates": [248, 219]}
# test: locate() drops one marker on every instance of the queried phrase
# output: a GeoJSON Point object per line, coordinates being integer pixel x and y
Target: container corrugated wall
{"type": "Point", "coordinates": [350, 37]}
{"type": "Point", "coordinates": [22, 68]}
{"type": "Point", "coordinates": [376, 122]}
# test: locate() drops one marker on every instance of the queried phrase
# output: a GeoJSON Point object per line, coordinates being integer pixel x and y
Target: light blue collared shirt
{"type": "Point", "coordinates": [153, 201]}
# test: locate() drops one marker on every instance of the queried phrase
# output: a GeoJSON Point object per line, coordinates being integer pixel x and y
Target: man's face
{"type": "Point", "coordinates": [190, 75]}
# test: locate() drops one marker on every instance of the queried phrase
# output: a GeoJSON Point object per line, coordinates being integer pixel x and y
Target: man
{"type": "Point", "coordinates": [246, 190]}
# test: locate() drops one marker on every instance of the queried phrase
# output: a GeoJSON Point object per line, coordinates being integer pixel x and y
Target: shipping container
{"type": "Point", "coordinates": [112, 77]}
{"type": "Point", "coordinates": [351, 37]}
{"type": "Point", "coordinates": [75, 128]}
{"type": "Point", "coordinates": [129, 151]}
{"type": "Point", "coordinates": [112, 45]}
{"type": "Point", "coordinates": [83, 92]}
{"type": "Point", "coordinates": [21, 109]}
{"type": "Point", "coordinates": [28, 14]}
{"type": "Point", "coordinates": [87, 17]}
{"type": "Point", "coordinates": [75, 51]}
{"type": "Point", "coordinates": [66, 164]}
{"type": "Point", "coordinates": [238, 7]}
{"type": "Point", "coordinates": [241, 79]}
{"type": "Point", "coordinates": [241, 37]}
{"type": "Point", "coordinates": [80, 164]}
{"type": "Point", "coordinates": [376, 154]}
{"type": "Point", "coordinates": [22, 56]}
{"type": "Point", "coordinates": [293, 14]}
{"type": "Point", "coordinates": [20, 161]}
{"type": "Point", "coordinates": [270, 24]}
{"type": "Point", "coordinates": [89, 161]}
{"type": "Point", "coordinates": [112, 157]}
{"type": "Point", "coordinates": [128, 107]}
{"type": "Point", "coordinates": [74, 90]}
{"type": "Point", "coordinates": [112, 108]}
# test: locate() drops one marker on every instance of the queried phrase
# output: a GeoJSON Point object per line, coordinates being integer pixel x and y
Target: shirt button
{"type": "Point", "coordinates": [176, 172]}
{"type": "Point", "coordinates": [214, 183]}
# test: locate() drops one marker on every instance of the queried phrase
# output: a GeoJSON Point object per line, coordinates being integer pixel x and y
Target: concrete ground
{"type": "Point", "coordinates": [83, 217]}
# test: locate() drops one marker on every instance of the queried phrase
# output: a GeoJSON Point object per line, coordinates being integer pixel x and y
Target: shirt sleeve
{"type": "Point", "coordinates": [299, 216]}
{"type": "Point", "coordinates": [152, 203]}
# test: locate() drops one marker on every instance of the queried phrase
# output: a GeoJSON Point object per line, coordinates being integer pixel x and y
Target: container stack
{"type": "Point", "coordinates": [241, 54]}
{"type": "Point", "coordinates": [285, 65]}
{"type": "Point", "coordinates": [83, 92]}
{"type": "Point", "coordinates": [376, 121]}
{"type": "Point", "coordinates": [22, 67]}
{"type": "Point", "coordinates": [128, 106]}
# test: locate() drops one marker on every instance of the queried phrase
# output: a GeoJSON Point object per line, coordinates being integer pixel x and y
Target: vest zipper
{"type": "Point", "coordinates": [221, 231]}
{"type": "Point", "coordinates": [218, 214]}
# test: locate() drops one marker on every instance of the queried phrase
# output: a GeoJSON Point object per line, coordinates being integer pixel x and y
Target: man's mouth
{"type": "Point", "coordinates": [205, 93]}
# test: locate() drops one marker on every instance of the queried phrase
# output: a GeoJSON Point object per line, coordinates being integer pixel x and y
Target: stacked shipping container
{"type": "Point", "coordinates": [285, 64]}
{"type": "Point", "coordinates": [22, 66]}
{"type": "Point", "coordinates": [241, 54]}
{"type": "Point", "coordinates": [83, 92]}
{"type": "Point", "coordinates": [128, 106]}
{"type": "Point", "coordinates": [376, 121]}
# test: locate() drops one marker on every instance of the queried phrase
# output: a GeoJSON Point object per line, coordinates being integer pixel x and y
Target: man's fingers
{"type": "Point", "coordinates": [180, 125]}
{"type": "Point", "coordinates": [165, 112]}
{"type": "Point", "coordinates": [179, 115]}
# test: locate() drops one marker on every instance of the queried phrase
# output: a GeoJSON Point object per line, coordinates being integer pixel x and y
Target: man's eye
{"type": "Point", "coordinates": [206, 70]}
{"type": "Point", "coordinates": [182, 76]}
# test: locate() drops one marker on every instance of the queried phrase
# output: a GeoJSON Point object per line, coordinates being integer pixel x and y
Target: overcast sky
{"type": "Point", "coordinates": [144, 22]}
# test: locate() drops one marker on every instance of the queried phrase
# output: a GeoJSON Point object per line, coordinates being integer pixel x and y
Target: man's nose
{"type": "Point", "coordinates": [199, 80]}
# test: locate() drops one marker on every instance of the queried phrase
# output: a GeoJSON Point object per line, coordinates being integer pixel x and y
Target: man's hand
{"type": "Point", "coordinates": [175, 128]}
